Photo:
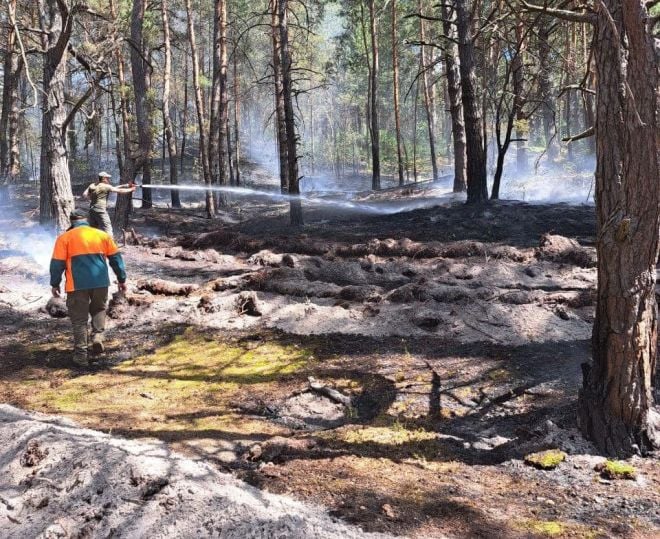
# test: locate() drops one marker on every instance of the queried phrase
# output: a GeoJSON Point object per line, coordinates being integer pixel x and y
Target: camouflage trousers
{"type": "Point", "coordinates": [101, 220]}
{"type": "Point", "coordinates": [81, 304]}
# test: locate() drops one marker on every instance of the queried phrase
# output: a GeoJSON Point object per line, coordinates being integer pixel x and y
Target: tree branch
{"type": "Point", "coordinates": [585, 134]}
{"type": "Point", "coordinates": [564, 14]}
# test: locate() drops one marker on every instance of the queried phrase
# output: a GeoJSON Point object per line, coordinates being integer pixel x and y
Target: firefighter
{"type": "Point", "coordinates": [98, 193]}
{"type": "Point", "coordinates": [81, 253]}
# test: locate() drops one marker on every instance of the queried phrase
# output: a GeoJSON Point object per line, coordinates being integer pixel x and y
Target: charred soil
{"type": "Point", "coordinates": [396, 369]}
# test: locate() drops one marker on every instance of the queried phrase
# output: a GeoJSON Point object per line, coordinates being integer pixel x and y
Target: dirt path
{"type": "Point", "coordinates": [454, 336]}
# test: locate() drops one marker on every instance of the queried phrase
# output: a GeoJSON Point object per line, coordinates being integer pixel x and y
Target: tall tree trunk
{"type": "Point", "coordinates": [616, 401]}
{"type": "Point", "coordinates": [295, 206]}
{"type": "Point", "coordinates": [588, 98]}
{"type": "Point", "coordinates": [127, 172]}
{"type": "Point", "coordinates": [428, 95]}
{"type": "Point", "coordinates": [518, 97]}
{"type": "Point", "coordinates": [397, 113]}
{"type": "Point", "coordinates": [545, 87]}
{"type": "Point", "coordinates": [13, 66]}
{"type": "Point", "coordinates": [279, 97]}
{"type": "Point", "coordinates": [56, 198]}
{"type": "Point", "coordinates": [184, 117]}
{"type": "Point", "coordinates": [367, 105]}
{"type": "Point", "coordinates": [199, 106]}
{"type": "Point", "coordinates": [475, 148]}
{"type": "Point", "coordinates": [455, 101]}
{"type": "Point", "coordinates": [568, 97]}
{"type": "Point", "coordinates": [218, 115]}
{"type": "Point", "coordinates": [167, 119]}
{"type": "Point", "coordinates": [373, 109]}
{"type": "Point", "coordinates": [141, 87]}
{"type": "Point", "coordinates": [237, 118]}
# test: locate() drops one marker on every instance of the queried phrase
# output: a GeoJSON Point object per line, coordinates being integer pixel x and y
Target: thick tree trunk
{"type": "Point", "coordinates": [295, 206]}
{"type": "Point", "coordinates": [373, 109]}
{"type": "Point", "coordinates": [141, 87]}
{"type": "Point", "coordinates": [455, 102]}
{"type": "Point", "coordinates": [475, 148]}
{"type": "Point", "coordinates": [199, 106]}
{"type": "Point", "coordinates": [428, 96]}
{"type": "Point", "coordinates": [395, 89]}
{"type": "Point", "coordinates": [279, 97]}
{"type": "Point", "coordinates": [616, 405]}
{"type": "Point", "coordinates": [56, 198]}
{"type": "Point", "coordinates": [167, 119]}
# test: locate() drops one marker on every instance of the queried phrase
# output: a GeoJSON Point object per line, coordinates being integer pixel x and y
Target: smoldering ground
{"type": "Point", "coordinates": [455, 333]}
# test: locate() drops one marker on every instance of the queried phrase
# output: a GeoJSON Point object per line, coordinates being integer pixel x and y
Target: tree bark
{"type": "Point", "coordinates": [219, 114]}
{"type": "Point", "coordinates": [12, 67]}
{"type": "Point", "coordinates": [373, 109]}
{"type": "Point", "coordinates": [519, 98]}
{"type": "Point", "coordinates": [475, 148]}
{"type": "Point", "coordinates": [455, 102]}
{"type": "Point", "coordinates": [56, 197]}
{"type": "Point", "coordinates": [545, 87]}
{"type": "Point", "coordinates": [428, 96]}
{"type": "Point", "coordinates": [128, 170]}
{"type": "Point", "coordinates": [295, 206]}
{"type": "Point", "coordinates": [141, 87]}
{"type": "Point", "coordinates": [279, 97]}
{"type": "Point", "coordinates": [616, 403]}
{"type": "Point", "coordinates": [167, 119]}
{"type": "Point", "coordinates": [395, 89]}
{"type": "Point", "coordinates": [199, 106]}
{"type": "Point", "coordinates": [237, 118]}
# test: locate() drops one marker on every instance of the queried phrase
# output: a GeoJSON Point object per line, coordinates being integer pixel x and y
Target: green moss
{"type": "Point", "coordinates": [548, 528]}
{"type": "Point", "coordinates": [187, 384]}
{"type": "Point", "coordinates": [546, 460]}
{"type": "Point", "coordinates": [616, 469]}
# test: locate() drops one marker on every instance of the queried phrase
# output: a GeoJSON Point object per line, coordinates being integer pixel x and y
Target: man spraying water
{"type": "Point", "coordinates": [98, 193]}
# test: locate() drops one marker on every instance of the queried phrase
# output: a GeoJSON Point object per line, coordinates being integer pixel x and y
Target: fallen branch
{"type": "Point", "coordinates": [166, 288]}
{"type": "Point", "coordinates": [329, 392]}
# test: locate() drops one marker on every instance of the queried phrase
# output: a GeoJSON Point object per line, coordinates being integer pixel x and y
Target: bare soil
{"type": "Point", "coordinates": [456, 334]}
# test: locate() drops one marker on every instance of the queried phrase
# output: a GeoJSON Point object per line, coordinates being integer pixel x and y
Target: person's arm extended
{"type": "Point", "coordinates": [85, 194]}
{"type": "Point", "coordinates": [123, 190]}
{"type": "Point", "coordinates": [57, 266]}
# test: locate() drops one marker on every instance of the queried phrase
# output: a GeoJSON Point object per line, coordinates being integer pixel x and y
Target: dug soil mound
{"type": "Point", "coordinates": [59, 480]}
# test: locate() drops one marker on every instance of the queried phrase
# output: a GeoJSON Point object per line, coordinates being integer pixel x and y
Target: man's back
{"type": "Point", "coordinates": [82, 252]}
{"type": "Point", "coordinates": [98, 195]}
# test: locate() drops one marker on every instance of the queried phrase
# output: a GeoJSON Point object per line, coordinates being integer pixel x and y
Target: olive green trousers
{"type": "Point", "coordinates": [81, 305]}
{"type": "Point", "coordinates": [101, 220]}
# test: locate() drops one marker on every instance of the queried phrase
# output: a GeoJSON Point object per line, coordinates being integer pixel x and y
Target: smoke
{"type": "Point", "coordinates": [25, 246]}
{"type": "Point", "coordinates": [571, 183]}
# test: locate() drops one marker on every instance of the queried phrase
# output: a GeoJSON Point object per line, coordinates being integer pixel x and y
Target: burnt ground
{"type": "Point", "coordinates": [452, 337]}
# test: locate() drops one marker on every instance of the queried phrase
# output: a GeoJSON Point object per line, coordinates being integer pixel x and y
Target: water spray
{"type": "Point", "coordinates": [283, 197]}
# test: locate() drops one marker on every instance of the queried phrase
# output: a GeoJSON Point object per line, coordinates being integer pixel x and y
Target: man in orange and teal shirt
{"type": "Point", "coordinates": [80, 253]}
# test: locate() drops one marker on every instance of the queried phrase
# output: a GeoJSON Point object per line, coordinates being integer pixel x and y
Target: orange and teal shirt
{"type": "Point", "coordinates": [81, 254]}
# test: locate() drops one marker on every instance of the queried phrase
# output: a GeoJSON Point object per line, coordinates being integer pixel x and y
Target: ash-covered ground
{"type": "Point", "coordinates": [396, 368]}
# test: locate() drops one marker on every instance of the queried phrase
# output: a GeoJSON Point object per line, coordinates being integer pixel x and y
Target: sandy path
{"type": "Point", "coordinates": [73, 482]}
